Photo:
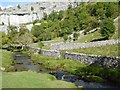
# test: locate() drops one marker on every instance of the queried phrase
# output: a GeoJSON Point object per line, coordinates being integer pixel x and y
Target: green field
{"type": "Point", "coordinates": [109, 50]}
{"type": "Point", "coordinates": [32, 80]}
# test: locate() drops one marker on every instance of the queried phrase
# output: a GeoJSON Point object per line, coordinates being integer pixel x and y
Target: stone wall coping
{"type": "Point", "coordinates": [92, 55]}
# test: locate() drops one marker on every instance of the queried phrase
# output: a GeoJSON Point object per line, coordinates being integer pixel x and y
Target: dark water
{"type": "Point", "coordinates": [61, 75]}
{"type": "Point", "coordinates": [23, 63]}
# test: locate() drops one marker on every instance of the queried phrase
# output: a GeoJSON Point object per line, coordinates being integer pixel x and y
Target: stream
{"type": "Point", "coordinates": [23, 63]}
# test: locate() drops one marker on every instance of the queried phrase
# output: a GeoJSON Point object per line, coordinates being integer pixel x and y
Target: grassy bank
{"type": "Point", "coordinates": [88, 73]}
{"type": "Point", "coordinates": [7, 58]}
{"type": "Point", "coordinates": [109, 50]}
{"type": "Point", "coordinates": [33, 80]}
{"type": "Point", "coordinates": [89, 37]}
{"type": "Point", "coordinates": [28, 79]}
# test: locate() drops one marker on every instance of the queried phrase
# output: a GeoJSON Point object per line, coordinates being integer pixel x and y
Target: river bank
{"type": "Point", "coordinates": [86, 73]}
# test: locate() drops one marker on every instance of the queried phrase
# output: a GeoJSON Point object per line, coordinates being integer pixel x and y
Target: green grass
{"type": "Point", "coordinates": [117, 31]}
{"type": "Point", "coordinates": [89, 37]}
{"type": "Point", "coordinates": [57, 64]}
{"type": "Point", "coordinates": [49, 43]}
{"type": "Point", "coordinates": [33, 80]}
{"type": "Point", "coordinates": [70, 66]}
{"type": "Point", "coordinates": [7, 58]}
{"type": "Point", "coordinates": [0, 80]}
{"type": "Point", "coordinates": [109, 50]}
{"type": "Point", "coordinates": [96, 35]}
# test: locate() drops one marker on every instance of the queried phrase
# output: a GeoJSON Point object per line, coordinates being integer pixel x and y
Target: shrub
{"type": "Point", "coordinates": [107, 28]}
{"type": "Point", "coordinates": [40, 44]}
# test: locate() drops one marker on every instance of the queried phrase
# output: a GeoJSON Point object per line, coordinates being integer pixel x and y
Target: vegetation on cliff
{"type": "Point", "coordinates": [85, 17]}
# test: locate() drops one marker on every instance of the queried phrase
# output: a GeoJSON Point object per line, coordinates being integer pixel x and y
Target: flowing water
{"type": "Point", "coordinates": [23, 63]}
{"type": "Point", "coordinates": [61, 75]}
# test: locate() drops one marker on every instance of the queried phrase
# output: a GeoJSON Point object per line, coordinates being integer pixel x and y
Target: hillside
{"type": "Point", "coordinates": [85, 17]}
{"type": "Point", "coordinates": [74, 25]}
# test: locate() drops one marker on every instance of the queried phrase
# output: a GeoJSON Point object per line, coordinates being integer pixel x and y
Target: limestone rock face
{"type": "Point", "coordinates": [24, 14]}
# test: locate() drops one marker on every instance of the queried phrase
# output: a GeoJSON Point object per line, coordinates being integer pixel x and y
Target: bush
{"type": "Point", "coordinates": [40, 44]}
{"type": "Point", "coordinates": [19, 7]}
{"type": "Point", "coordinates": [32, 8]}
{"type": "Point", "coordinates": [65, 37]}
{"type": "Point", "coordinates": [76, 35]}
{"type": "Point", "coordinates": [107, 28]}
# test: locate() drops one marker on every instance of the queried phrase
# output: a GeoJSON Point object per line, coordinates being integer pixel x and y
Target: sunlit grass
{"type": "Point", "coordinates": [7, 58]}
{"type": "Point", "coordinates": [109, 50]}
{"type": "Point", "coordinates": [33, 80]}
{"type": "Point", "coordinates": [89, 37]}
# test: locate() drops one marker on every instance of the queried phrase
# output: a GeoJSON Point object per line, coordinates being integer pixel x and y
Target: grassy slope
{"type": "Point", "coordinates": [89, 37]}
{"type": "Point", "coordinates": [33, 80]}
{"type": "Point", "coordinates": [6, 58]}
{"type": "Point", "coordinates": [47, 44]}
{"type": "Point", "coordinates": [109, 50]}
{"type": "Point", "coordinates": [117, 32]}
{"type": "Point", "coordinates": [60, 64]}
{"type": "Point", "coordinates": [55, 40]}
{"type": "Point", "coordinates": [96, 35]}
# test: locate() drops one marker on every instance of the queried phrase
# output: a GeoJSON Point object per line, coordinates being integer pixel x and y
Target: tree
{"type": "Point", "coordinates": [40, 44]}
{"type": "Point", "coordinates": [12, 32]}
{"type": "Point", "coordinates": [65, 37]}
{"type": "Point", "coordinates": [53, 16]}
{"type": "Point", "coordinates": [0, 9]}
{"type": "Point", "coordinates": [4, 39]}
{"type": "Point", "coordinates": [69, 6]}
{"type": "Point", "coordinates": [12, 29]}
{"type": "Point", "coordinates": [37, 30]}
{"type": "Point", "coordinates": [3, 23]}
{"type": "Point", "coordinates": [23, 30]}
{"type": "Point", "coordinates": [107, 28]}
{"type": "Point", "coordinates": [61, 15]}
{"type": "Point", "coordinates": [32, 8]}
{"type": "Point", "coordinates": [19, 7]}
{"type": "Point", "coordinates": [45, 16]}
{"type": "Point", "coordinates": [24, 39]}
{"type": "Point", "coordinates": [76, 35]}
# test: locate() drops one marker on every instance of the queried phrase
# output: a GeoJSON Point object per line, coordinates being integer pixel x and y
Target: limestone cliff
{"type": "Point", "coordinates": [30, 12]}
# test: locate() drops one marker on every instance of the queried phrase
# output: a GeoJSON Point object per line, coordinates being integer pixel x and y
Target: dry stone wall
{"type": "Point", "coordinates": [53, 53]}
{"type": "Point", "coordinates": [106, 61]}
{"type": "Point", "coordinates": [67, 46]}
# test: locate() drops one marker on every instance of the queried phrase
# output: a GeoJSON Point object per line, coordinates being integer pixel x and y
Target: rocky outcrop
{"type": "Point", "coordinates": [24, 14]}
